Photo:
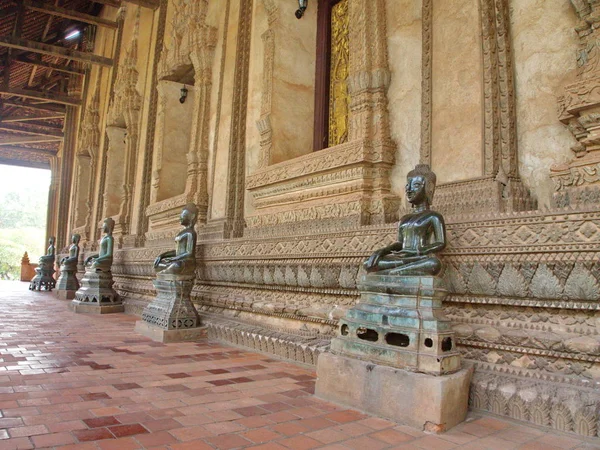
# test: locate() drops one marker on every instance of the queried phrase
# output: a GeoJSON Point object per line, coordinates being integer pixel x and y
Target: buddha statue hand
{"type": "Point", "coordinates": [90, 259]}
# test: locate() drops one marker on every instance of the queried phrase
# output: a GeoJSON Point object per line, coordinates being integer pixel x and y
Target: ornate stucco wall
{"type": "Point", "coordinates": [471, 86]}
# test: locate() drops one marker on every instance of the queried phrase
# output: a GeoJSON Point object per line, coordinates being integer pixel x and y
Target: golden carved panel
{"type": "Point", "coordinates": [338, 85]}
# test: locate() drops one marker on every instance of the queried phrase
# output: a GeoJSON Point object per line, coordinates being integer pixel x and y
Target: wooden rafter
{"type": "Point", "coordinates": [36, 120]}
{"type": "Point", "coordinates": [36, 5]}
{"type": "Point", "coordinates": [54, 132]}
{"type": "Point", "coordinates": [20, 140]}
{"type": "Point", "coordinates": [54, 50]}
{"type": "Point", "coordinates": [152, 4]}
{"type": "Point", "coordinates": [45, 96]}
{"type": "Point", "coordinates": [39, 107]}
{"type": "Point", "coordinates": [47, 65]}
{"type": "Point", "coordinates": [41, 151]}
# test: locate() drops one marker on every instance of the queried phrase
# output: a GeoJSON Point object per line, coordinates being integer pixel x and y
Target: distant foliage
{"type": "Point", "coordinates": [23, 208]}
{"type": "Point", "coordinates": [22, 228]}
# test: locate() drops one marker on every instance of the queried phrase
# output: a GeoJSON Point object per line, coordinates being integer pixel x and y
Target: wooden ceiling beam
{"type": "Point", "coordinates": [39, 107]}
{"type": "Point", "coordinates": [46, 132]}
{"type": "Point", "coordinates": [47, 65]}
{"type": "Point", "coordinates": [34, 119]}
{"type": "Point", "coordinates": [54, 50]}
{"type": "Point", "coordinates": [40, 151]}
{"type": "Point", "coordinates": [39, 6]}
{"type": "Point", "coordinates": [19, 140]}
{"type": "Point", "coordinates": [152, 4]}
{"type": "Point", "coordinates": [45, 96]}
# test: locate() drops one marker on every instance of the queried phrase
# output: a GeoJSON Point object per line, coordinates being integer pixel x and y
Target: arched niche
{"type": "Point", "coordinates": [173, 139]}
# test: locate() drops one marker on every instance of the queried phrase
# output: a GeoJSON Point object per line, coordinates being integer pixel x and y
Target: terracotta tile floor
{"type": "Point", "coordinates": [89, 382]}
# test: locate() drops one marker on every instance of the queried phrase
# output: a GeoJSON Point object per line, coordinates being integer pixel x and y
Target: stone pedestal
{"type": "Point", "coordinates": [426, 402]}
{"type": "Point", "coordinates": [43, 279]}
{"type": "Point", "coordinates": [171, 316]}
{"type": "Point", "coordinates": [96, 295]}
{"type": "Point", "coordinates": [397, 346]}
{"type": "Point", "coordinates": [67, 284]}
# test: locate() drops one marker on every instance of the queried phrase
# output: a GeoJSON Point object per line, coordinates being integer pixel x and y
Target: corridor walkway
{"type": "Point", "coordinates": [89, 382]}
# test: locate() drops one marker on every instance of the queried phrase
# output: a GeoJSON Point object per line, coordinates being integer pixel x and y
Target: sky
{"type": "Point", "coordinates": [13, 176]}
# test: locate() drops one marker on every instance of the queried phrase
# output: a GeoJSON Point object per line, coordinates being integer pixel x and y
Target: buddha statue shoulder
{"type": "Point", "coordinates": [421, 233]}
{"type": "Point", "coordinates": [102, 261]}
{"type": "Point", "coordinates": [182, 260]}
{"type": "Point", "coordinates": [70, 262]}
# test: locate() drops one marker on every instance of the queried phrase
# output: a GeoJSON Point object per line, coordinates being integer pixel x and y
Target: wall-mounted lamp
{"type": "Point", "coordinates": [302, 7]}
{"type": "Point", "coordinates": [184, 94]}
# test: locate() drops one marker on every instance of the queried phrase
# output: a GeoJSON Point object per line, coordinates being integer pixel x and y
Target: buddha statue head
{"type": "Point", "coordinates": [189, 215]}
{"type": "Point", "coordinates": [75, 238]}
{"type": "Point", "coordinates": [109, 225]}
{"type": "Point", "coordinates": [420, 185]}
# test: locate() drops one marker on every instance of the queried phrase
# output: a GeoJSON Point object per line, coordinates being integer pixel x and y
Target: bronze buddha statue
{"type": "Point", "coordinates": [421, 233]}
{"type": "Point", "coordinates": [102, 261]}
{"type": "Point", "coordinates": [70, 262]}
{"type": "Point", "coordinates": [181, 261]}
{"type": "Point", "coordinates": [47, 260]}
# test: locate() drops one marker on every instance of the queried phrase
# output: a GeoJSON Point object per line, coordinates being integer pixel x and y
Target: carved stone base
{"type": "Point", "coordinates": [94, 308]}
{"type": "Point", "coordinates": [165, 336]}
{"type": "Point", "coordinates": [96, 294]}
{"type": "Point", "coordinates": [172, 309]}
{"type": "Point", "coordinates": [427, 402]}
{"type": "Point", "coordinates": [67, 283]}
{"type": "Point", "coordinates": [399, 322]}
{"type": "Point", "coordinates": [43, 279]}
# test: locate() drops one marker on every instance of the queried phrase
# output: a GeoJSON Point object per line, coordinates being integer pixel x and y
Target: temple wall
{"type": "Point", "coordinates": [404, 29]}
{"type": "Point", "coordinates": [457, 139]}
{"type": "Point", "coordinates": [470, 86]}
{"type": "Point", "coordinates": [544, 47]}
{"type": "Point", "coordinates": [222, 106]}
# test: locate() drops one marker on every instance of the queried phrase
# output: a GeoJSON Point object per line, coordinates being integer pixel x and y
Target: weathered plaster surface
{"type": "Point", "coordinates": [404, 95]}
{"type": "Point", "coordinates": [544, 43]}
{"type": "Point", "coordinates": [457, 90]}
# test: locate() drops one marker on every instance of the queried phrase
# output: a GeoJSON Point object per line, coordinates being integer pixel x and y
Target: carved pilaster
{"type": "Point", "coordinates": [578, 181]}
{"type": "Point", "coordinates": [123, 114]}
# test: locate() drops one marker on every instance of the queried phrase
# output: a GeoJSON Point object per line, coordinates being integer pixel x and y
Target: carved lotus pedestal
{"type": "Point", "coordinates": [67, 284]}
{"type": "Point", "coordinates": [395, 355]}
{"type": "Point", "coordinates": [43, 279]}
{"type": "Point", "coordinates": [96, 294]}
{"type": "Point", "coordinates": [171, 316]}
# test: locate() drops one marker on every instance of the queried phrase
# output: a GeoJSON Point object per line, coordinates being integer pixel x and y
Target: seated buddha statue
{"type": "Point", "coordinates": [102, 261]}
{"type": "Point", "coordinates": [47, 261]}
{"type": "Point", "coordinates": [182, 260]}
{"type": "Point", "coordinates": [70, 262]}
{"type": "Point", "coordinates": [421, 233]}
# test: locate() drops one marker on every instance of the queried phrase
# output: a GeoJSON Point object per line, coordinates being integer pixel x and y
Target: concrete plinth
{"type": "Point", "coordinates": [427, 402]}
{"type": "Point", "coordinates": [165, 336]}
{"type": "Point", "coordinates": [95, 308]}
{"type": "Point", "coordinates": [63, 294]}
{"type": "Point", "coordinates": [44, 279]}
{"type": "Point", "coordinates": [67, 283]}
{"type": "Point", "coordinates": [96, 294]}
